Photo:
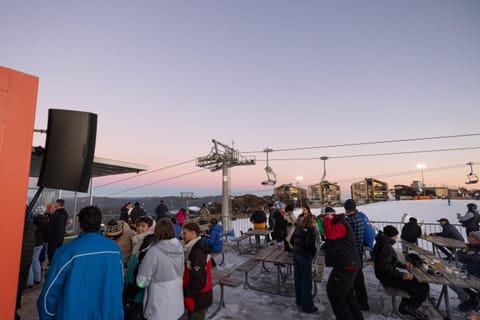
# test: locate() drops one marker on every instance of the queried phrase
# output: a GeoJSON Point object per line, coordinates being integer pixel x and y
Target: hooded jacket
{"type": "Point", "coordinates": [84, 281]}
{"type": "Point", "coordinates": [197, 278]}
{"type": "Point", "coordinates": [161, 273]}
{"type": "Point", "coordinates": [340, 247]}
{"type": "Point", "coordinates": [386, 261]}
{"type": "Point", "coordinates": [470, 219]}
{"type": "Point", "coordinates": [215, 238]}
{"type": "Point", "coordinates": [411, 231]}
{"type": "Point", "coordinates": [471, 262]}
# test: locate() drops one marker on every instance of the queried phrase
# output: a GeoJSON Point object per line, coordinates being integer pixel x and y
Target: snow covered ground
{"type": "Point", "coordinates": [247, 304]}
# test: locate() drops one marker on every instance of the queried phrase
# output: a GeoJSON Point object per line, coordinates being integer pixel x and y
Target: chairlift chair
{"type": "Point", "coordinates": [271, 175]}
{"type": "Point", "coordinates": [472, 177]}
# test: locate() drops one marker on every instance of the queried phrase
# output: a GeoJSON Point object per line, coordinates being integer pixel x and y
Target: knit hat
{"type": "Point", "coordinates": [114, 228]}
{"type": "Point", "coordinates": [390, 231]}
{"type": "Point", "coordinates": [350, 205]}
{"type": "Point", "coordinates": [329, 210]}
{"type": "Point", "coordinates": [412, 219]}
{"type": "Point", "coordinates": [443, 219]}
{"type": "Point", "coordinates": [289, 208]}
{"type": "Point", "coordinates": [475, 234]}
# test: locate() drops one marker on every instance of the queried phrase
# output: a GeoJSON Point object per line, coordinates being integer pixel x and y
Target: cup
{"type": "Point", "coordinates": [436, 264]}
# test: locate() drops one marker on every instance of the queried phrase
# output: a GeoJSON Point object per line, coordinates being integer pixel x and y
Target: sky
{"type": "Point", "coordinates": [167, 77]}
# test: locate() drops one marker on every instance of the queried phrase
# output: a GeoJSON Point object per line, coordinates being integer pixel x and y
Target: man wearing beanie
{"type": "Point", "coordinates": [358, 227]}
{"type": "Point", "coordinates": [85, 278]}
{"type": "Point", "coordinates": [341, 254]}
{"type": "Point", "coordinates": [386, 264]}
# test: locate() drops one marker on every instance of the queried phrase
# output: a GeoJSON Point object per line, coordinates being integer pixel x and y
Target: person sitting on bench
{"type": "Point", "coordinates": [386, 264]}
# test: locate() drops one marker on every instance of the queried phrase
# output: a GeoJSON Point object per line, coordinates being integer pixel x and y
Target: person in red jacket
{"type": "Point", "coordinates": [197, 278]}
{"type": "Point", "coordinates": [341, 254]}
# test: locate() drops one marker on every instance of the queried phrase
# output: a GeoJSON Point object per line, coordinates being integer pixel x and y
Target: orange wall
{"type": "Point", "coordinates": [18, 98]}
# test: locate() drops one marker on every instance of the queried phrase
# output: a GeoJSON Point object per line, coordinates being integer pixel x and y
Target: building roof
{"type": "Point", "coordinates": [101, 166]}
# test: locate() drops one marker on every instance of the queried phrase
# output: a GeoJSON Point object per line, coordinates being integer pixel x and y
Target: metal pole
{"type": "Point", "coordinates": [91, 191]}
{"type": "Point", "coordinates": [423, 183]}
{"type": "Point", "coordinates": [225, 198]}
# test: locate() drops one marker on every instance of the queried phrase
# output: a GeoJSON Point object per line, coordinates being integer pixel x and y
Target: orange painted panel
{"type": "Point", "coordinates": [18, 99]}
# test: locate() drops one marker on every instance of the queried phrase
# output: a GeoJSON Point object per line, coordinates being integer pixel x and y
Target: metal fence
{"type": "Point", "coordinates": [243, 224]}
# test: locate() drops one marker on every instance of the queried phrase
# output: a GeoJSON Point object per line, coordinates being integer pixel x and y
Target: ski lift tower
{"type": "Point", "coordinates": [224, 159]}
{"type": "Point", "coordinates": [186, 196]}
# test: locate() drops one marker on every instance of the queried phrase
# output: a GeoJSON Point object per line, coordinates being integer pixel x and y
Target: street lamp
{"type": "Point", "coordinates": [422, 166]}
{"type": "Point", "coordinates": [299, 184]}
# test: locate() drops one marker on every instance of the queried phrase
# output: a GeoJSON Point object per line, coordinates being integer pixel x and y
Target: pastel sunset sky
{"type": "Point", "coordinates": [167, 77]}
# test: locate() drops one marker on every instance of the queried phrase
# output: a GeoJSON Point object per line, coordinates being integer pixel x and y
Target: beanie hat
{"type": "Point", "coordinates": [472, 206]}
{"type": "Point", "coordinates": [329, 210]}
{"type": "Point", "coordinates": [475, 234]}
{"type": "Point", "coordinates": [412, 219]}
{"type": "Point", "coordinates": [113, 229]}
{"type": "Point", "coordinates": [390, 231]}
{"type": "Point", "coordinates": [289, 208]}
{"type": "Point", "coordinates": [350, 205]}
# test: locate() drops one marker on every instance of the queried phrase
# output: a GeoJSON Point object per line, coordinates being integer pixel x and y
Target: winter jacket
{"type": "Point", "coordinates": [340, 247]}
{"type": "Point", "coordinates": [141, 244]}
{"type": "Point", "coordinates": [471, 262]}
{"type": "Point", "coordinates": [136, 213]}
{"type": "Point", "coordinates": [303, 242]}
{"type": "Point", "coordinates": [470, 219]}
{"type": "Point", "coordinates": [161, 211]}
{"type": "Point", "coordinates": [259, 219]}
{"type": "Point", "coordinates": [449, 231]}
{"type": "Point", "coordinates": [386, 261]}
{"type": "Point", "coordinates": [181, 216]}
{"type": "Point", "coordinates": [124, 241]}
{"type": "Point", "coordinates": [84, 281]}
{"type": "Point", "coordinates": [40, 234]}
{"type": "Point", "coordinates": [197, 278]}
{"type": "Point", "coordinates": [358, 228]}
{"type": "Point", "coordinates": [411, 231]}
{"type": "Point", "coordinates": [280, 225]}
{"type": "Point", "coordinates": [161, 273]}
{"type": "Point", "coordinates": [368, 232]}
{"type": "Point", "coordinates": [215, 238]}
{"type": "Point", "coordinates": [57, 226]}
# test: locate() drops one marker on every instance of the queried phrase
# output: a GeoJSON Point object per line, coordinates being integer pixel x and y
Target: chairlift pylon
{"type": "Point", "coordinates": [472, 177]}
{"type": "Point", "coordinates": [271, 175]}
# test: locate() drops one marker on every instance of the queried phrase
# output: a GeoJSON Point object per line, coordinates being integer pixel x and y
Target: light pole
{"type": "Point", "coordinates": [299, 184]}
{"type": "Point", "coordinates": [422, 166]}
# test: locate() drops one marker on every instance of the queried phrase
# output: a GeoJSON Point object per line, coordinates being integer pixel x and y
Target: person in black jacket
{"type": "Point", "coordinates": [411, 231]}
{"type": "Point", "coordinates": [386, 264]}
{"type": "Point", "coordinates": [448, 231]}
{"type": "Point", "coordinates": [161, 210]}
{"type": "Point", "coordinates": [470, 219]}
{"type": "Point", "coordinates": [303, 241]}
{"type": "Point", "coordinates": [56, 228]}
{"type": "Point", "coordinates": [280, 224]}
{"type": "Point", "coordinates": [341, 253]}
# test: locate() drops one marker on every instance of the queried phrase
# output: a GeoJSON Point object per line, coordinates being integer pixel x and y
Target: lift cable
{"type": "Point", "coordinates": [370, 143]}
{"type": "Point", "coordinates": [144, 174]}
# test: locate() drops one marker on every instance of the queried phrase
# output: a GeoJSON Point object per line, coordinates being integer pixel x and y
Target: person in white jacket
{"type": "Point", "coordinates": [161, 274]}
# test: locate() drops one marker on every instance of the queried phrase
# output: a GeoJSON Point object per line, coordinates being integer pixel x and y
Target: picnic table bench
{"type": "Point", "coordinates": [222, 278]}
{"type": "Point", "coordinates": [225, 249]}
{"type": "Point", "coordinates": [240, 239]}
{"type": "Point", "coordinates": [280, 259]}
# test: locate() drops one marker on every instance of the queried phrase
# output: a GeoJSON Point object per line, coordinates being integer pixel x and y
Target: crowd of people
{"type": "Point", "coordinates": [146, 268]}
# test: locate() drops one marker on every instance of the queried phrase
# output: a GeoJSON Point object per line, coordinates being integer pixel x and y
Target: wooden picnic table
{"type": "Point", "coordinates": [439, 241]}
{"type": "Point", "coordinates": [275, 254]}
{"type": "Point", "coordinates": [259, 232]}
{"type": "Point", "coordinates": [222, 277]}
{"type": "Point", "coordinates": [444, 277]}
{"type": "Point", "coordinates": [414, 247]}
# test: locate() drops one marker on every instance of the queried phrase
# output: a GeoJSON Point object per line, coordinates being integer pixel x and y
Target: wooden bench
{"type": "Point", "coordinates": [224, 250]}
{"type": "Point", "coordinates": [240, 239]}
{"type": "Point", "coordinates": [394, 293]}
{"type": "Point", "coordinates": [246, 267]}
{"type": "Point", "coordinates": [223, 279]}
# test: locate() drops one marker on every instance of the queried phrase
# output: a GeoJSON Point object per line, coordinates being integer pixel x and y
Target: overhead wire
{"type": "Point", "coordinates": [157, 182]}
{"type": "Point", "coordinates": [143, 174]}
{"type": "Point", "coordinates": [368, 143]}
{"type": "Point", "coordinates": [373, 154]}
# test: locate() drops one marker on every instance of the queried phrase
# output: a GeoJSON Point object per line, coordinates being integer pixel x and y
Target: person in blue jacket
{"type": "Point", "coordinates": [85, 278]}
{"type": "Point", "coordinates": [368, 232]}
{"type": "Point", "coordinates": [214, 236]}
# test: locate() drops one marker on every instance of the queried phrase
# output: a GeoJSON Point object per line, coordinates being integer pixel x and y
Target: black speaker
{"type": "Point", "coordinates": [69, 150]}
